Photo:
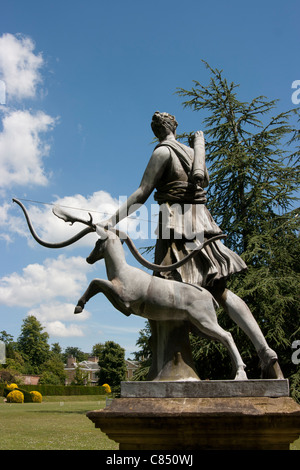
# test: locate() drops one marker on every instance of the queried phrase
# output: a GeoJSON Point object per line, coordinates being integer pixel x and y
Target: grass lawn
{"type": "Point", "coordinates": [58, 423]}
{"type": "Point", "coordinates": [296, 445]}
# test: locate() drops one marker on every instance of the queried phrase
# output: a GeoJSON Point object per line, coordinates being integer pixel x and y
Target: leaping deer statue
{"type": "Point", "coordinates": [134, 291]}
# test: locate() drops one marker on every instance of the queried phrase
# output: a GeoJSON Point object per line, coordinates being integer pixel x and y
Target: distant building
{"type": "Point", "coordinates": [131, 367]}
{"type": "Point", "coordinates": [30, 379]}
{"type": "Point", "coordinates": [91, 367]}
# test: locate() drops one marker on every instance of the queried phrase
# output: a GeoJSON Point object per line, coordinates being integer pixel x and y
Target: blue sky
{"type": "Point", "coordinates": [82, 82]}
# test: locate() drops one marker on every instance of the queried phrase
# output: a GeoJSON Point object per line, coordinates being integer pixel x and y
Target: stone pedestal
{"type": "Point", "coordinates": [206, 389]}
{"type": "Point", "coordinates": [176, 423]}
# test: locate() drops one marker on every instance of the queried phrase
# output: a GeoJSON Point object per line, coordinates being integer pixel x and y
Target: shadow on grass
{"type": "Point", "coordinates": [58, 412]}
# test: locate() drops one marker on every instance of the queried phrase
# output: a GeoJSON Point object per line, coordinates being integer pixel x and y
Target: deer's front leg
{"type": "Point", "coordinates": [96, 286]}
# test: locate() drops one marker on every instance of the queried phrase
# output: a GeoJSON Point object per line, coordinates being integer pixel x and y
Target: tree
{"type": "Point", "coordinates": [112, 365]}
{"type": "Point", "coordinates": [8, 376]}
{"type": "Point", "coordinates": [253, 162]}
{"type": "Point", "coordinates": [75, 352]}
{"type": "Point", "coordinates": [15, 362]}
{"type": "Point", "coordinates": [80, 377]}
{"type": "Point", "coordinates": [97, 349]}
{"type": "Point", "coordinates": [6, 337]}
{"type": "Point", "coordinates": [33, 344]}
{"type": "Point", "coordinates": [253, 175]}
{"type": "Point", "coordinates": [144, 354]}
{"type": "Point", "coordinates": [56, 350]}
{"type": "Point", "coordinates": [144, 351]}
{"type": "Point", "coordinates": [8, 341]}
{"type": "Point", "coordinates": [49, 378]}
{"type": "Point", "coordinates": [53, 371]}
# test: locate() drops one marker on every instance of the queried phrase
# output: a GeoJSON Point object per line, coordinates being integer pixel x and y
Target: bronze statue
{"type": "Point", "coordinates": [177, 180]}
{"type": "Point", "coordinates": [179, 175]}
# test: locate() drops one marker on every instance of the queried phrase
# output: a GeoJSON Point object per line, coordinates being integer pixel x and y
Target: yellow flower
{"type": "Point", "coordinates": [15, 397]}
{"type": "Point", "coordinates": [36, 397]}
{"type": "Point", "coordinates": [106, 388]}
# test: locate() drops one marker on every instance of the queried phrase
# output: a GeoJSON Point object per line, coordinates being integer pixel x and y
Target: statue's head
{"type": "Point", "coordinates": [98, 252]}
{"type": "Point", "coordinates": [162, 124]}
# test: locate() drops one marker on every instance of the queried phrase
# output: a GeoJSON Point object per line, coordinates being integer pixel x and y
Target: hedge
{"type": "Point", "coordinates": [61, 390]}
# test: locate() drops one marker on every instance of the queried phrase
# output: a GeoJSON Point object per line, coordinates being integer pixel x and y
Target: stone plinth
{"type": "Point", "coordinates": [206, 389]}
{"type": "Point", "coordinates": [201, 423]}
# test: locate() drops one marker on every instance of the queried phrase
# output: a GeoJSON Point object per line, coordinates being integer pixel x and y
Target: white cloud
{"type": "Point", "coordinates": [11, 224]}
{"type": "Point", "coordinates": [2, 92]}
{"type": "Point", "coordinates": [19, 66]}
{"type": "Point", "coordinates": [57, 319]}
{"type": "Point", "coordinates": [57, 328]}
{"type": "Point", "coordinates": [22, 140]}
{"type": "Point", "coordinates": [40, 283]}
{"type": "Point", "coordinates": [52, 229]}
{"type": "Point", "coordinates": [4, 213]}
{"type": "Point", "coordinates": [55, 311]}
{"type": "Point", "coordinates": [6, 237]}
{"type": "Point", "coordinates": [22, 148]}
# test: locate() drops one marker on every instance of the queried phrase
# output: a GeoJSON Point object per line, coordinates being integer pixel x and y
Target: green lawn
{"type": "Point", "coordinates": [296, 445]}
{"type": "Point", "coordinates": [58, 423]}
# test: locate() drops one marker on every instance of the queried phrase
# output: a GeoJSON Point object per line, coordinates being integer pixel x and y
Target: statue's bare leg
{"type": "Point", "coordinates": [239, 312]}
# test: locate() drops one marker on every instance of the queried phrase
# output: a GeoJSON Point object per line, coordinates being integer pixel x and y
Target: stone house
{"type": "Point", "coordinates": [91, 367]}
{"type": "Point", "coordinates": [131, 367]}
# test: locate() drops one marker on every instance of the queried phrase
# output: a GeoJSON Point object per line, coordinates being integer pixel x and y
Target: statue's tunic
{"type": "Point", "coordinates": [185, 222]}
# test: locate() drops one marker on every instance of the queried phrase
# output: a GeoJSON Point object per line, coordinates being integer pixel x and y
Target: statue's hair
{"type": "Point", "coordinates": [162, 123]}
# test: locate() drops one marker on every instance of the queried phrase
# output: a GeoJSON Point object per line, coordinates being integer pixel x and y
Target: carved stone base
{"type": "Point", "coordinates": [240, 423]}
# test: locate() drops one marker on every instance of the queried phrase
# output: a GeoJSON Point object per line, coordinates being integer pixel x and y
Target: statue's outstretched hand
{"type": "Point", "coordinates": [199, 135]}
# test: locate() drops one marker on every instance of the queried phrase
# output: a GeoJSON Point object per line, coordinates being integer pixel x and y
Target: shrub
{"type": "Point", "coordinates": [12, 393]}
{"type": "Point", "coordinates": [11, 386]}
{"type": "Point", "coordinates": [15, 397]}
{"type": "Point", "coordinates": [27, 396]}
{"type": "Point", "coordinates": [58, 390]}
{"type": "Point", "coordinates": [106, 388]}
{"type": "Point", "coordinates": [36, 397]}
{"type": "Point", "coordinates": [7, 376]}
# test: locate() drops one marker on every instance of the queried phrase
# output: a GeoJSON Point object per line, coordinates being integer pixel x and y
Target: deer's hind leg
{"type": "Point", "coordinates": [207, 324]}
